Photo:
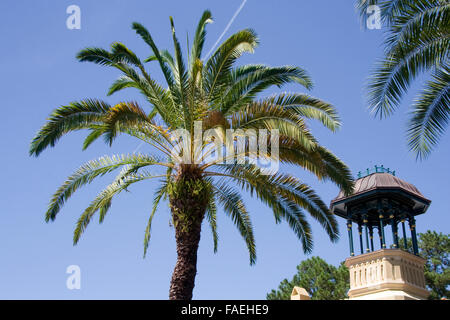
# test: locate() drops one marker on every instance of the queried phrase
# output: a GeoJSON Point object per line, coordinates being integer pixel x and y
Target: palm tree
{"type": "Point", "coordinates": [224, 97]}
{"type": "Point", "coordinates": [417, 41]}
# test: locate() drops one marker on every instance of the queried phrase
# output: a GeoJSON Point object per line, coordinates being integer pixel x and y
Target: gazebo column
{"type": "Point", "coordinates": [371, 237]}
{"type": "Point", "coordinates": [397, 245]}
{"type": "Point", "coordinates": [366, 232]}
{"type": "Point", "coordinates": [405, 242]}
{"type": "Point", "coordinates": [383, 238]}
{"type": "Point", "coordinates": [380, 237]}
{"type": "Point", "coordinates": [394, 231]}
{"type": "Point", "coordinates": [412, 227]}
{"type": "Point", "coordinates": [350, 237]}
{"type": "Point", "coordinates": [360, 237]}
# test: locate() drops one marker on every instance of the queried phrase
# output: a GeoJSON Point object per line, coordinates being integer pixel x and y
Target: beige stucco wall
{"type": "Point", "coordinates": [386, 274]}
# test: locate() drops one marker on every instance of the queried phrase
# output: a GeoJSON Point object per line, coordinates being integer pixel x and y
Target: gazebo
{"type": "Point", "coordinates": [379, 200]}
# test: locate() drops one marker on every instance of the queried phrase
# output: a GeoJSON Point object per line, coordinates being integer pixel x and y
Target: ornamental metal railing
{"type": "Point", "coordinates": [376, 169]}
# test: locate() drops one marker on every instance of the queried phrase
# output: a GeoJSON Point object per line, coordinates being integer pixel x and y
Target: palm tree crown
{"type": "Point", "coordinates": [222, 96]}
{"type": "Point", "coordinates": [417, 41]}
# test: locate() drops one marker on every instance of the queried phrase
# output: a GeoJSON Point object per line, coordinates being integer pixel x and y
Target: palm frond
{"type": "Point", "coordinates": [96, 55]}
{"type": "Point", "coordinates": [233, 206]}
{"type": "Point", "coordinates": [145, 35]}
{"type": "Point", "coordinates": [267, 115]}
{"type": "Point", "coordinates": [181, 79]}
{"type": "Point", "coordinates": [124, 55]}
{"type": "Point", "coordinates": [320, 161]}
{"type": "Point", "coordinates": [394, 74]}
{"type": "Point", "coordinates": [307, 107]}
{"type": "Point", "coordinates": [220, 63]}
{"type": "Point", "coordinates": [126, 112]}
{"type": "Point", "coordinates": [199, 38]}
{"type": "Point", "coordinates": [96, 132]}
{"type": "Point", "coordinates": [244, 90]}
{"type": "Point", "coordinates": [75, 116]}
{"type": "Point", "coordinates": [286, 197]}
{"type": "Point", "coordinates": [417, 41]}
{"type": "Point", "coordinates": [291, 191]}
{"type": "Point", "coordinates": [162, 190]}
{"type": "Point", "coordinates": [121, 83]}
{"type": "Point", "coordinates": [421, 21]}
{"type": "Point", "coordinates": [103, 201]}
{"type": "Point", "coordinates": [88, 172]}
{"type": "Point", "coordinates": [211, 216]}
{"type": "Point", "coordinates": [431, 114]}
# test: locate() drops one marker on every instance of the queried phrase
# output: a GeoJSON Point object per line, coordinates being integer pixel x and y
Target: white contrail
{"type": "Point", "coordinates": [226, 28]}
{"type": "Point", "coordinates": [213, 47]}
{"type": "Point", "coordinates": [138, 147]}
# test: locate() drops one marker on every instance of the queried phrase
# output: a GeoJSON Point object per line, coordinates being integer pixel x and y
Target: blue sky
{"type": "Point", "coordinates": [40, 73]}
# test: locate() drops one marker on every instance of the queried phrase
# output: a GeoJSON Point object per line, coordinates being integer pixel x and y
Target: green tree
{"type": "Point", "coordinates": [222, 96]}
{"type": "Point", "coordinates": [435, 248]}
{"type": "Point", "coordinates": [417, 41]}
{"type": "Point", "coordinates": [321, 280]}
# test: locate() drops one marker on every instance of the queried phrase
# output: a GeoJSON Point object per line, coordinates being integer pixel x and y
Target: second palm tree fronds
{"type": "Point", "coordinates": [417, 41]}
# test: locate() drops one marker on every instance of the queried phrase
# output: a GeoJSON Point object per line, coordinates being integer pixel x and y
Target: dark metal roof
{"type": "Point", "coordinates": [376, 183]}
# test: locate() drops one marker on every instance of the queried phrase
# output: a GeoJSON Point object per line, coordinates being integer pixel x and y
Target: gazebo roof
{"type": "Point", "coordinates": [381, 183]}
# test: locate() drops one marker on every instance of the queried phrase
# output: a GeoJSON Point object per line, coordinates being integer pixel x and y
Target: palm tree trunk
{"type": "Point", "coordinates": [183, 277]}
{"type": "Point", "coordinates": [188, 205]}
